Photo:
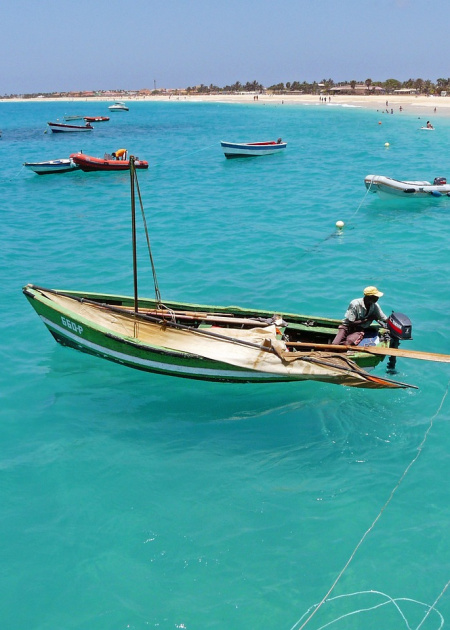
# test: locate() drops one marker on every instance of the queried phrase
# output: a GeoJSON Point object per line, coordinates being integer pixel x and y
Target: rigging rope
{"type": "Point", "coordinates": [155, 280]}
{"type": "Point", "coordinates": [367, 532]}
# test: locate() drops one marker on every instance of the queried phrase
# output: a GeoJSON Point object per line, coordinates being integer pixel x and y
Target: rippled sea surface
{"type": "Point", "coordinates": [135, 501]}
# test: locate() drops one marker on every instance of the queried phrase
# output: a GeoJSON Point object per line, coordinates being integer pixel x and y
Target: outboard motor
{"type": "Point", "coordinates": [439, 181]}
{"type": "Point", "coordinates": [400, 327]}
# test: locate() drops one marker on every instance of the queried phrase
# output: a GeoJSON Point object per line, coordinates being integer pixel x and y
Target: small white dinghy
{"type": "Point", "coordinates": [52, 166]}
{"type": "Point", "coordinates": [388, 188]}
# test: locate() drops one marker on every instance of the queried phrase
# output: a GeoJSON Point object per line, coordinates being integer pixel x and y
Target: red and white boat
{"type": "Point", "coordinates": [88, 163]}
{"type": "Point", "coordinates": [57, 127]}
{"type": "Point", "coordinates": [91, 119]}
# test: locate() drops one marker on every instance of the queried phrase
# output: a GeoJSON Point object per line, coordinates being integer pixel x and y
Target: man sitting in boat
{"type": "Point", "coordinates": [359, 316]}
{"type": "Point", "coordinates": [120, 154]}
{"type": "Point", "coordinates": [429, 125]}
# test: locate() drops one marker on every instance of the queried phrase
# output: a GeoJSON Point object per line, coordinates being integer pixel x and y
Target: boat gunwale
{"type": "Point", "coordinates": [174, 305]}
{"type": "Point", "coordinates": [80, 297]}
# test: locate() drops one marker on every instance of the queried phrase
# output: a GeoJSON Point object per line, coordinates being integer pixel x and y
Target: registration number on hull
{"type": "Point", "coordinates": [72, 325]}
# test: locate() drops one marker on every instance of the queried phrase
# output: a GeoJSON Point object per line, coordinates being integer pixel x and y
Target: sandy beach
{"type": "Point", "coordinates": [422, 105]}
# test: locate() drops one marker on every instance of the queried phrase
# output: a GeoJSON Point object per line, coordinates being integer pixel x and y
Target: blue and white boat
{"type": "Point", "coordinates": [252, 149]}
{"type": "Point", "coordinates": [52, 166]}
{"type": "Point", "coordinates": [58, 127]}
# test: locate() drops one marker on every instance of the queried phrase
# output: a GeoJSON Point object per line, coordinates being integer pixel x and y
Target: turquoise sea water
{"type": "Point", "coordinates": [135, 501]}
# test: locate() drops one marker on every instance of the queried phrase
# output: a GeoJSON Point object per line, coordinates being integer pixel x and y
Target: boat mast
{"type": "Point", "coordinates": [133, 230]}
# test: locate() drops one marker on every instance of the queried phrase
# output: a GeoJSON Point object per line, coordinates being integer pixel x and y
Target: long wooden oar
{"type": "Point", "coordinates": [388, 352]}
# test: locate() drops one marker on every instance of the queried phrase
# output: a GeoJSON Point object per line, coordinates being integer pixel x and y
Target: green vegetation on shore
{"type": "Point", "coordinates": [326, 86]}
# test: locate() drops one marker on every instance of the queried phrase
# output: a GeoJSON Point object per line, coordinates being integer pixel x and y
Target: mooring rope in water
{"type": "Point", "coordinates": [316, 607]}
{"type": "Point", "coordinates": [432, 607]}
{"type": "Point", "coordinates": [362, 201]}
{"type": "Point", "coordinates": [181, 157]}
{"type": "Point", "coordinates": [334, 234]}
{"type": "Point", "coordinates": [388, 600]}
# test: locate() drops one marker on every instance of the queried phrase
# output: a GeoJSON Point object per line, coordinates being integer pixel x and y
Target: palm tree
{"type": "Point", "coordinates": [392, 84]}
{"type": "Point", "coordinates": [418, 84]}
{"type": "Point", "coordinates": [353, 85]}
{"type": "Point", "coordinates": [428, 86]}
{"type": "Point", "coordinates": [368, 83]}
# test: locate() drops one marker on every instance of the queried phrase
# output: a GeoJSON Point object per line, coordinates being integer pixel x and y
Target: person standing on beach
{"type": "Point", "coordinates": [359, 316]}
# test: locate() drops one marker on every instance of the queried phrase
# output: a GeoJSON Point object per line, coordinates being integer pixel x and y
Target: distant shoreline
{"type": "Point", "coordinates": [422, 105]}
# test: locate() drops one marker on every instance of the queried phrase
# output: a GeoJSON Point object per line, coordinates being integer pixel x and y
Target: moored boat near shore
{"type": "Point", "coordinates": [91, 119]}
{"type": "Point", "coordinates": [387, 187]}
{"type": "Point", "coordinates": [89, 163]}
{"type": "Point", "coordinates": [118, 106]}
{"type": "Point", "coordinates": [57, 127]}
{"type": "Point", "coordinates": [52, 166]}
{"type": "Point", "coordinates": [252, 149]}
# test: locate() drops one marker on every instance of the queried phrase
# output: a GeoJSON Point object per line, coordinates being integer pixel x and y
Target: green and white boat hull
{"type": "Point", "coordinates": [106, 326]}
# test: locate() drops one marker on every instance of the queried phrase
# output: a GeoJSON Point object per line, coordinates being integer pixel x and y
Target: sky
{"type": "Point", "coordinates": [52, 45]}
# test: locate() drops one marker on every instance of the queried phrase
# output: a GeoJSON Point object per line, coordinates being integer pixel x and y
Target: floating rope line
{"type": "Point", "coordinates": [316, 607]}
{"type": "Point", "coordinates": [432, 607]}
{"type": "Point", "coordinates": [334, 234]}
{"type": "Point", "coordinates": [317, 245]}
{"type": "Point", "coordinates": [388, 600]}
{"type": "Point", "coordinates": [181, 157]}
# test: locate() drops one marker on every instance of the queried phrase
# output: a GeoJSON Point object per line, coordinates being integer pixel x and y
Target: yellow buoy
{"type": "Point", "coordinates": [340, 224]}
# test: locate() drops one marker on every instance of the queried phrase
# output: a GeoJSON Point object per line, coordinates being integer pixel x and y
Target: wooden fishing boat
{"type": "Point", "coordinates": [213, 343]}
{"type": "Point", "coordinates": [57, 127]}
{"type": "Point", "coordinates": [252, 149]}
{"type": "Point", "coordinates": [52, 166]}
{"type": "Point", "coordinates": [88, 163]}
{"type": "Point", "coordinates": [96, 119]}
{"type": "Point", "coordinates": [386, 187]}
